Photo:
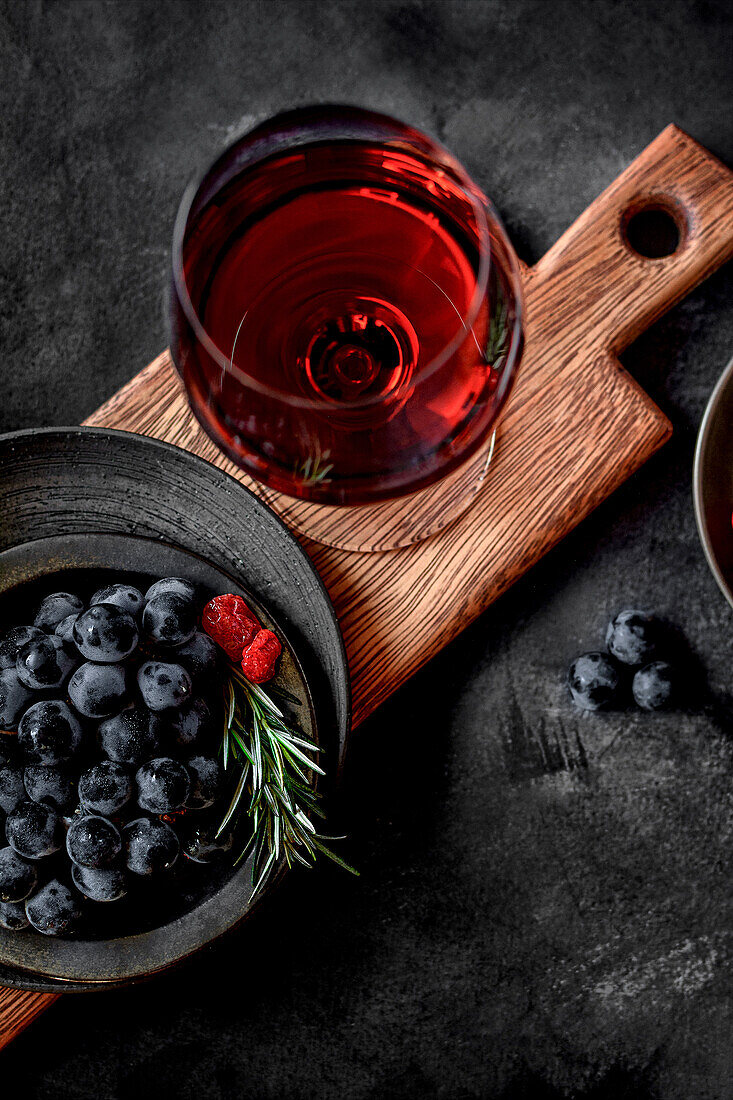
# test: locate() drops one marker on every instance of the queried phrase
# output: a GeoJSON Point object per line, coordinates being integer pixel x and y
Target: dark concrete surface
{"type": "Point", "coordinates": [545, 908]}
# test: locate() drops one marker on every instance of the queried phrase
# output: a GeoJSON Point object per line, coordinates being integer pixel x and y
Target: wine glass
{"type": "Point", "coordinates": [347, 320]}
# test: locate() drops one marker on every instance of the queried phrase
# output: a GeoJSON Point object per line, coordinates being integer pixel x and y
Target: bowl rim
{"type": "Point", "coordinates": [698, 487]}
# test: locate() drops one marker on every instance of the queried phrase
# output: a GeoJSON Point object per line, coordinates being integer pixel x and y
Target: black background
{"type": "Point", "coordinates": [527, 925]}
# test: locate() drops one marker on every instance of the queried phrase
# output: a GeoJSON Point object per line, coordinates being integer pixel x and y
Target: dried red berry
{"type": "Point", "coordinates": [260, 657]}
{"type": "Point", "coordinates": [230, 623]}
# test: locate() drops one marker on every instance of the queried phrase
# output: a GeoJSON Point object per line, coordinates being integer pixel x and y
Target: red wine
{"type": "Point", "coordinates": [355, 327]}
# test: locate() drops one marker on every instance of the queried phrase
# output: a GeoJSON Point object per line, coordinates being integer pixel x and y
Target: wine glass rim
{"type": "Point", "coordinates": [486, 219]}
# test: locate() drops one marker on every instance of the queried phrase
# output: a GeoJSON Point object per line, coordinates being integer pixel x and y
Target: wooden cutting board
{"type": "Point", "coordinates": [576, 426]}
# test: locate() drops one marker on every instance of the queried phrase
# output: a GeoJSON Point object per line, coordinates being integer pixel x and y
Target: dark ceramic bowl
{"type": "Point", "coordinates": [79, 505]}
{"type": "Point", "coordinates": [713, 482]}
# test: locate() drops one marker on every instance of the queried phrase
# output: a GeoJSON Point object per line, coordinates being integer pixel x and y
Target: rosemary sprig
{"type": "Point", "coordinates": [315, 469]}
{"type": "Point", "coordinates": [274, 787]}
{"type": "Point", "coordinates": [498, 341]}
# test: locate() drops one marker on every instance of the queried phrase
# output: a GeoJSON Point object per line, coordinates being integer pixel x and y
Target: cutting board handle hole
{"type": "Point", "coordinates": [654, 230]}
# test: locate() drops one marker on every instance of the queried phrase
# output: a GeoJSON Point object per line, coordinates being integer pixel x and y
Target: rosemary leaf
{"type": "Point", "coordinates": [235, 800]}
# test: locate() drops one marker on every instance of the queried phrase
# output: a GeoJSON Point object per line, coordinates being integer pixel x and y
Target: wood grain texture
{"type": "Point", "coordinates": [18, 1009]}
{"type": "Point", "coordinates": [575, 427]}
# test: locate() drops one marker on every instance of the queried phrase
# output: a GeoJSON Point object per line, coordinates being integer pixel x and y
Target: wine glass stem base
{"type": "Point", "coordinates": [389, 524]}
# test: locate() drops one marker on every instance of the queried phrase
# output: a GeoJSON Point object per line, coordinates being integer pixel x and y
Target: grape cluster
{"type": "Point", "coordinates": [107, 750]}
{"type": "Point", "coordinates": [636, 667]}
